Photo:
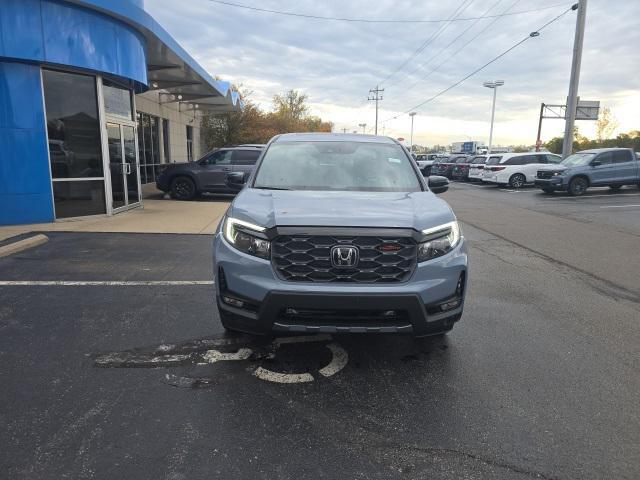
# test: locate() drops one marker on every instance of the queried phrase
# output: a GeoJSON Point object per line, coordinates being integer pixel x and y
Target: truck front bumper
{"type": "Point", "coordinates": [255, 300]}
{"type": "Point", "coordinates": [554, 183]}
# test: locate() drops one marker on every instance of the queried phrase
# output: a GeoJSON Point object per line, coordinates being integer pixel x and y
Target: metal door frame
{"type": "Point", "coordinates": [105, 118]}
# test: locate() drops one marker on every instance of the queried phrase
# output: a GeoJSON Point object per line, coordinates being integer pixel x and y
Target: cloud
{"type": "Point", "coordinates": [336, 63]}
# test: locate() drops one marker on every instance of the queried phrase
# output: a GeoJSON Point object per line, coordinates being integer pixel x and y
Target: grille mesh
{"type": "Point", "coordinates": [306, 258]}
{"type": "Point", "coordinates": [543, 174]}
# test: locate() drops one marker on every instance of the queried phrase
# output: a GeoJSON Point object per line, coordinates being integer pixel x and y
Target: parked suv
{"type": "Point", "coordinates": [476, 168]}
{"type": "Point", "coordinates": [602, 167]}
{"type": "Point", "coordinates": [339, 233]}
{"type": "Point", "coordinates": [425, 162]}
{"type": "Point", "coordinates": [445, 167]}
{"type": "Point", "coordinates": [516, 169]}
{"type": "Point", "coordinates": [461, 168]}
{"type": "Point", "coordinates": [209, 173]}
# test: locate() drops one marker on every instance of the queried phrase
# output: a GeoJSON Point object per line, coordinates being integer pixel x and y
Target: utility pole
{"type": "Point", "coordinates": [376, 94]}
{"type": "Point", "coordinates": [344, 130]}
{"type": "Point", "coordinates": [412, 114]}
{"type": "Point", "coordinates": [572, 99]}
{"type": "Point", "coordinates": [363, 125]}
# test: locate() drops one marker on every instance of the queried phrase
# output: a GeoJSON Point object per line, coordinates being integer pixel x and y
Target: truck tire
{"type": "Point", "coordinates": [578, 186]}
{"type": "Point", "coordinates": [183, 188]}
{"type": "Point", "coordinates": [517, 180]}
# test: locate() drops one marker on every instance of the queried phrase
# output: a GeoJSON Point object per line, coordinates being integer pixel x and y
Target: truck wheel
{"type": "Point", "coordinates": [517, 180]}
{"type": "Point", "coordinates": [183, 188]}
{"type": "Point", "coordinates": [578, 186]}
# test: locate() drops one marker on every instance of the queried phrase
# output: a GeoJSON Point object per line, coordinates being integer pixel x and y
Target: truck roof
{"type": "Point", "coordinates": [600, 150]}
{"type": "Point", "coordinates": [331, 137]}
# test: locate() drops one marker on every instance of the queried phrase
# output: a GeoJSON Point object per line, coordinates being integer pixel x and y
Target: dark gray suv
{"type": "Point", "coordinates": [208, 174]}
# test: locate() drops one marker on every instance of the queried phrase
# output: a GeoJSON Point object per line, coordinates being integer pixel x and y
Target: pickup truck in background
{"type": "Point", "coordinates": [601, 167]}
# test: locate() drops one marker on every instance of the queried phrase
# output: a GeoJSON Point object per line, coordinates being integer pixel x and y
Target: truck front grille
{"type": "Point", "coordinates": [307, 258]}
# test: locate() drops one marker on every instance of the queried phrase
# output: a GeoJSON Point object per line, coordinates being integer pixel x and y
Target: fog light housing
{"type": "Point", "coordinates": [450, 305]}
{"type": "Point", "coordinates": [234, 302]}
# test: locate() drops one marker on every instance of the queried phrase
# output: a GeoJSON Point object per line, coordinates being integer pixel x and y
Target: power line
{"type": "Point", "coordinates": [450, 43]}
{"type": "Point", "coordinates": [373, 20]}
{"type": "Point", "coordinates": [461, 8]}
{"type": "Point", "coordinates": [462, 47]}
{"type": "Point", "coordinates": [513, 47]}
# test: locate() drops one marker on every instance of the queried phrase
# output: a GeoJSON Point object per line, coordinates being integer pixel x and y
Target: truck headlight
{"type": "Point", "coordinates": [247, 237]}
{"type": "Point", "coordinates": [442, 239]}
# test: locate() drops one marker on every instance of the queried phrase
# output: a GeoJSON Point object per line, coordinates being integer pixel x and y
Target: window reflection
{"type": "Point", "coordinates": [79, 198]}
{"type": "Point", "coordinates": [148, 146]}
{"type": "Point", "coordinates": [72, 125]}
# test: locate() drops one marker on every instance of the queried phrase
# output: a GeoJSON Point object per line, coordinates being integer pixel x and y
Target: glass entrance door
{"type": "Point", "coordinates": [123, 165]}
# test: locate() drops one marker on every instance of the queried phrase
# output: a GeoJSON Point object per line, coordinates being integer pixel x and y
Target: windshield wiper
{"type": "Point", "coordinates": [271, 188]}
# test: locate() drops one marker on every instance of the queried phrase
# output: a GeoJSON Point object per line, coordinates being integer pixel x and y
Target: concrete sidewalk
{"type": "Point", "coordinates": [157, 215]}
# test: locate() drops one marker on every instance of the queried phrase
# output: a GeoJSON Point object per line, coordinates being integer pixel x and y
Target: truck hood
{"type": "Point", "coordinates": [554, 168]}
{"type": "Point", "coordinates": [270, 208]}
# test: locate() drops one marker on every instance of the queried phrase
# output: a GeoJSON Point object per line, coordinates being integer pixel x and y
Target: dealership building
{"type": "Point", "coordinates": [94, 97]}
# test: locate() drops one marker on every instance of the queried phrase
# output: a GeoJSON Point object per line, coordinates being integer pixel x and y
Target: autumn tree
{"type": "Point", "coordinates": [606, 124]}
{"type": "Point", "coordinates": [253, 125]}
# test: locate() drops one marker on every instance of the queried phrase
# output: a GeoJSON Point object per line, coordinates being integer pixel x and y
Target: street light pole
{"type": "Point", "coordinates": [493, 85]}
{"type": "Point", "coordinates": [572, 100]}
{"type": "Point", "coordinates": [412, 114]}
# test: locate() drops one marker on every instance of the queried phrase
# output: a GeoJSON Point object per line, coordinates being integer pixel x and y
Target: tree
{"type": "Point", "coordinates": [253, 125]}
{"type": "Point", "coordinates": [606, 124]}
{"type": "Point", "coordinates": [291, 105]}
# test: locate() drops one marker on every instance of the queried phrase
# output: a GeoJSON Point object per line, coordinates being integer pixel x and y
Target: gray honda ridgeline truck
{"type": "Point", "coordinates": [338, 233]}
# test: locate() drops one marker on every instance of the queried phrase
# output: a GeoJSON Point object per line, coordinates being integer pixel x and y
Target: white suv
{"type": "Point", "coordinates": [516, 169]}
{"type": "Point", "coordinates": [476, 169]}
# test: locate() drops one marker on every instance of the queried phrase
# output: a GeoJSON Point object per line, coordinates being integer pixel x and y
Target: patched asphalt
{"type": "Point", "coordinates": [539, 380]}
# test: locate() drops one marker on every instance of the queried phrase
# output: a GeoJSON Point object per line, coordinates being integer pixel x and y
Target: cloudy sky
{"type": "Point", "coordinates": [336, 63]}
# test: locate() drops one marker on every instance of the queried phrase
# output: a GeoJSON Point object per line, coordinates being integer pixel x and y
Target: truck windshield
{"type": "Point", "coordinates": [353, 166]}
{"type": "Point", "coordinates": [578, 159]}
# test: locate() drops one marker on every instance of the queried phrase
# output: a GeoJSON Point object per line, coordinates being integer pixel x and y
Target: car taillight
{"type": "Point", "coordinates": [496, 169]}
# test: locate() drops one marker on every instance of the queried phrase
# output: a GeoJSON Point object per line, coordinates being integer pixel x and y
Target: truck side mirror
{"type": "Point", "coordinates": [236, 180]}
{"type": "Point", "coordinates": [438, 184]}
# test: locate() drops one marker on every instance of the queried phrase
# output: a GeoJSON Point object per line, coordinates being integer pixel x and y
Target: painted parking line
{"type": "Point", "coordinates": [585, 197]}
{"type": "Point", "coordinates": [620, 206]}
{"type": "Point", "coordinates": [199, 352]}
{"type": "Point", "coordinates": [107, 283]}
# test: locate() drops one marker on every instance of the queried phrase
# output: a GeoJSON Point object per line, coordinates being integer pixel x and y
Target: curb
{"type": "Point", "coordinates": [24, 244]}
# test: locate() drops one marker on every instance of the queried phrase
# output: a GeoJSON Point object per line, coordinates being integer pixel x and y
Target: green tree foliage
{"type": "Point", "coordinates": [253, 125]}
{"type": "Point", "coordinates": [623, 140]}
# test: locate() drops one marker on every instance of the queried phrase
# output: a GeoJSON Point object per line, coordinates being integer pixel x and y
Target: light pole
{"type": "Point", "coordinates": [412, 114]}
{"type": "Point", "coordinates": [493, 85]}
{"type": "Point", "coordinates": [363, 125]}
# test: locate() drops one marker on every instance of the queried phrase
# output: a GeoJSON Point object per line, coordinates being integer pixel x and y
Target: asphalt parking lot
{"type": "Point", "coordinates": [115, 366]}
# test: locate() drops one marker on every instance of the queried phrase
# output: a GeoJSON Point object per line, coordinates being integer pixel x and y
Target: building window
{"type": "Point", "coordinates": [75, 153]}
{"type": "Point", "coordinates": [189, 143]}
{"type": "Point", "coordinates": [148, 147]}
{"type": "Point", "coordinates": [165, 140]}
